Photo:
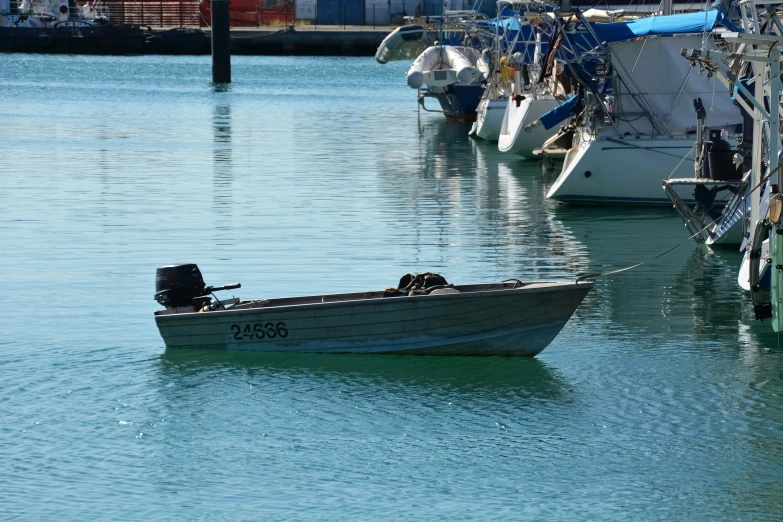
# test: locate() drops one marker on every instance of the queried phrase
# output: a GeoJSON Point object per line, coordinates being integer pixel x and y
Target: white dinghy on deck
{"type": "Point", "coordinates": [404, 43]}
{"type": "Point", "coordinates": [511, 318]}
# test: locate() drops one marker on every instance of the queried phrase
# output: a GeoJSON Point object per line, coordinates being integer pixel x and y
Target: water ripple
{"type": "Point", "coordinates": [660, 400]}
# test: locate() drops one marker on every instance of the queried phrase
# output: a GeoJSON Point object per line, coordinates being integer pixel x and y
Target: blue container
{"type": "Point", "coordinates": [328, 12]}
{"type": "Point", "coordinates": [431, 7]}
{"type": "Point", "coordinates": [353, 12]}
{"type": "Point", "coordinates": [340, 12]}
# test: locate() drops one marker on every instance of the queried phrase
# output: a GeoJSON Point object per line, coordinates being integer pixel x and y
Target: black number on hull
{"type": "Point", "coordinates": [270, 330]}
{"type": "Point", "coordinates": [259, 331]}
{"type": "Point", "coordinates": [281, 330]}
{"type": "Point", "coordinates": [237, 332]}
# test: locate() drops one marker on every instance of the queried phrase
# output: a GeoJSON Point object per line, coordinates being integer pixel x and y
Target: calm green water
{"type": "Point", "coordinates": [660, 400]}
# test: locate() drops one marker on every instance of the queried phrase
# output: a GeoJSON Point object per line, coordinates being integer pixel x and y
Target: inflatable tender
{"type": "Point", "coordinates": [404, 43]}
{"type": "Point", "coordinates": [442, 65]}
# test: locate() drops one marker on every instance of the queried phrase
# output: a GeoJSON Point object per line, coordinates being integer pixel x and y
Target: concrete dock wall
{"type": "Point", "coordinates": [349, 42]}
{"type": "Point", "coordinates": [127, 39]}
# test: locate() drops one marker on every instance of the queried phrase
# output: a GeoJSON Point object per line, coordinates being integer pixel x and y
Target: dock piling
{"type": "Point", "coordinates": [221, 42]}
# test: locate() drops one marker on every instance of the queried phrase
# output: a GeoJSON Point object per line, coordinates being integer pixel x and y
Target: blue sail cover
{"type": "Point", "coordinates": [608, 32]}
{"type": "Point", "coordinates": [657, 26]}
{"type": "Point", "coordinates": [559, 113]}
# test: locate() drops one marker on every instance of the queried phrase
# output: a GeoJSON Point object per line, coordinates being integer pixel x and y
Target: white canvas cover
{"type": "Point", "coordinates": [658, 71]}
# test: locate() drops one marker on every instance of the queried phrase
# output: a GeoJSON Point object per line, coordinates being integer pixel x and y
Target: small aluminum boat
{"type": "Point", "coordinates": [511, 318]}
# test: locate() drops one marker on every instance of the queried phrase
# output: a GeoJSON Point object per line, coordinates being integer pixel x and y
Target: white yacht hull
{"type": "Point", "coordinates": [489, 118]}
{"type": "Point", "coordinates": [513, 139]}
{"type": "Point", "coordinates": [624, 171]}
{"type": "Point", "coordinates": [732, 237]}
{"type": "Point", "coordinates": [729, 230]}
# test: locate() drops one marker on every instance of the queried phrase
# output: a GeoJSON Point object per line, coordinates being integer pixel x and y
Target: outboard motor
{"type": "Point", "coordinates": [182, 285]}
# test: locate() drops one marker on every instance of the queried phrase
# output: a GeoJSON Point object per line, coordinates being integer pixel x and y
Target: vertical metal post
{"type": "Point", "coordinates": [343, 4]}
{"type": "Point", "coordinates": [373, 15]}
{"type": "Point", "coordinates": [774, 88]}
{"type": "Point", "coordinates": [161, 14]}
{"type": "Point", "coordinates": [221, 42]}
{"type": "Point", "coordinates": [758, 129]}
{"type": "Point", "coordinates": [142, 12]}
{"type": "Point", "coordinates": [755, 14]}
{"type": "Point", "coordinates": [181, 23]}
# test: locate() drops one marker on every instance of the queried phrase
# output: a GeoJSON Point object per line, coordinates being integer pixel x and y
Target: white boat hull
{"type": "Point", "coordinates": [489, 118]}
{"type": "Point", "coordinates": [728, 233]}
{"type": "Point", "coordinates": [729, 230]}
{"type": "Point", "coordinates": [480, 320]}
{"type": "Point", "coordinates": [623, 171]}
{"type": "Point", "coordinates": [513, 139]}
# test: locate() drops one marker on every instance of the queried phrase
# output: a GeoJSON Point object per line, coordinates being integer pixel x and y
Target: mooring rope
{"type": "Point", "coordinates": [581, 277]}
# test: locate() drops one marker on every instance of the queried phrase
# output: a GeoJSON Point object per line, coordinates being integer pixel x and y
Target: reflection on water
{"type": "Point", "coordinates": [660, 400]}
{"type": "Point", "coordinates": [223, 175]}
{"type": "Point", "coordinates": [707, 287]}
{"type": "Point", "coordinates": [492, 378]}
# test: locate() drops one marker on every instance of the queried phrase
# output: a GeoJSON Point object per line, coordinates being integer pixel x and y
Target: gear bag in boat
{"type": "Point", "coordinates": [420, 284]}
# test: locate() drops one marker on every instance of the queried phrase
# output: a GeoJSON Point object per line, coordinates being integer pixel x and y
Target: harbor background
{"type": "Point", "coordinates": [660, 400]}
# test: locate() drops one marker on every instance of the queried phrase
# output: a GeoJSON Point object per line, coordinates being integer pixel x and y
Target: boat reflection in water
{"type": "Point", "coordinates": [462, 197]}
{"type": "Point", "coordinates": [492, 379]}
{"type": "Point", "coordinates": [691, 290]}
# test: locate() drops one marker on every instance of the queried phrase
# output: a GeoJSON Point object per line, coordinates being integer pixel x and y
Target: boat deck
{"type": "Point", "coordinates": [358, 297]}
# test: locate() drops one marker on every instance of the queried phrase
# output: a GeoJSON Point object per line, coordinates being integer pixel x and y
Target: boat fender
{"type": "Point", "coordinates": [506, 71]}
{"type": "Point", "coordinates": [775, 210]}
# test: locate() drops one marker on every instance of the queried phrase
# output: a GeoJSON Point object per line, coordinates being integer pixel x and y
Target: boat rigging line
{"type": "Point", "coordinates": [583, 277]}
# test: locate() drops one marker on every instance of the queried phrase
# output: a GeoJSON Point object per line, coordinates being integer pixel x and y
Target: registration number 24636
{"type": "Point", "coordinates": [259, 331]}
